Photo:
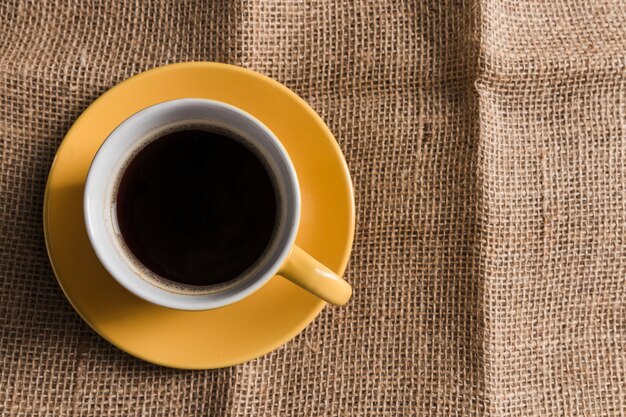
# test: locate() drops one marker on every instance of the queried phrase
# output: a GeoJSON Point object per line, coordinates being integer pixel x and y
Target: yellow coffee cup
{"type": "Point", "coordinates": [281, 257]}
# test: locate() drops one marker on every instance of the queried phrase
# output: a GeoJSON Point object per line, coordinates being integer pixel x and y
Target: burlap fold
{"type": "Point", "coordinates": [487, 144]}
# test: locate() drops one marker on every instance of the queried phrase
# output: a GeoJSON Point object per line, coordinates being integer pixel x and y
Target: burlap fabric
{"type": "Point", "coordinates": [487, 144]}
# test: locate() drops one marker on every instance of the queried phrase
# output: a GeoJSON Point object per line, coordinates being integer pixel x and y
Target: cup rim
{"type": "Point", "coordinates": [129, 277]}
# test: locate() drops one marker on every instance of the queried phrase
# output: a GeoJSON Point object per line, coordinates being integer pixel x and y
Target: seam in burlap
{"type": "Point", "coordinates": [486, 140]}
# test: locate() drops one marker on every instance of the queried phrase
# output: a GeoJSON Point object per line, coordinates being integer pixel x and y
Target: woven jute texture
{"type": "Point", "coordinates": [487, 144]}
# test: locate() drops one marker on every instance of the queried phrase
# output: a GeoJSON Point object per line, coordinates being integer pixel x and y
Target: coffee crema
{"type": "Point", "coordinates": [197, 206]}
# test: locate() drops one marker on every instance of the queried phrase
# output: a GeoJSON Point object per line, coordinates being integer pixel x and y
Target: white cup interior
{"type": "Point", "coordinates": [114, 155]}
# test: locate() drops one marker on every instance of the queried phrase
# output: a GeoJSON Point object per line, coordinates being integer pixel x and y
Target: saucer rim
{"type": "Point", "coordinates": [347, 186]}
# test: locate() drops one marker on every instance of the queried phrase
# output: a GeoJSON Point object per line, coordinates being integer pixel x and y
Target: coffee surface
{"type": "Point", "coordinates": [196, 207]}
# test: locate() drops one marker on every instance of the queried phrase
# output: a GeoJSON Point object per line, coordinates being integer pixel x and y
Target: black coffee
{"type": "Point", "coordinates": [196, 207]}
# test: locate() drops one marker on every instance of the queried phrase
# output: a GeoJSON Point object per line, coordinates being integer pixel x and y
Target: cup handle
{"type": "Point", "coordinates": [308, 273]}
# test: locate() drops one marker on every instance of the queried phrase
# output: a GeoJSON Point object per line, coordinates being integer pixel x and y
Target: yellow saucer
{"type": "Point", "coordinates": [242, 331]}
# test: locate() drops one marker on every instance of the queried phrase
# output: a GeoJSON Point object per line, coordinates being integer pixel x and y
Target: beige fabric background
{"type": "Point", "coordinates": [487, 144]}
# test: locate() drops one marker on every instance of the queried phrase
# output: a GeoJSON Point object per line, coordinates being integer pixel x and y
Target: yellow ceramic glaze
{"type": "Point", "coordinates": [228, 335]}
{"type": "Point", "coordinates": [304, 270]}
